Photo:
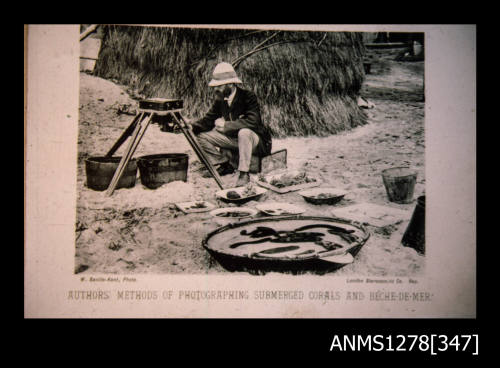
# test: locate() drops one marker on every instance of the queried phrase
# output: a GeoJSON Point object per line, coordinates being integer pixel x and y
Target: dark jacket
{"type": "Point", "coordinates": [244, 112]}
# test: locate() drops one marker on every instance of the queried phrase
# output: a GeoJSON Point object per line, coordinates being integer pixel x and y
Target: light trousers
{"type": "Point", "coordinates": [245, 144]}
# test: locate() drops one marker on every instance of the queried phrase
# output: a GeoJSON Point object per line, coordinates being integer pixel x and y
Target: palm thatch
{"type": "Point", "coordinates": [306, 82]}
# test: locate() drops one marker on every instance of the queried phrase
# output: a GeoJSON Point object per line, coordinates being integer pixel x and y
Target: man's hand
{"type": "Point", "coordinates": [219, 125]}
{"type": "Point", "coordinates": [188, 123]}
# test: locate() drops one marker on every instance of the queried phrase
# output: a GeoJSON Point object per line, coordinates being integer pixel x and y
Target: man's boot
{"type": "Point", "coordinates": [224, 169]}
{"type": "Point", "coordinates": [243, 179]}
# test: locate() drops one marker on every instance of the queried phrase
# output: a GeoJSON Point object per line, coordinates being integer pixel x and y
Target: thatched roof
{"type": "Point", "coordinates": [307, 82]}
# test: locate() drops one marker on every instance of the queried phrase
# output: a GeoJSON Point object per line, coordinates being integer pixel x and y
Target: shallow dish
{"type": "Point", "coordinates": [195, 206]}
{"type": "Point", "coordinates": [323, 195]}
{"type": "Point", "coordinates": [222, 195]}
{"type": "Point", "coordinates": [304, 181]}
{"type": "Point", "coordinates": [230, 215]}
{"type": "Point", "coordinates": [280, 209]}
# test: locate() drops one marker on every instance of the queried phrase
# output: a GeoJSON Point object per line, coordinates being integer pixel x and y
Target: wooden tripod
{"type": "Point", "coordinates": [136, 130]}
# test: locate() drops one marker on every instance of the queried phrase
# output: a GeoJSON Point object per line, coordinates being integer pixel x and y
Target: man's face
{"type": "Point", "coordinates": [222, 91]}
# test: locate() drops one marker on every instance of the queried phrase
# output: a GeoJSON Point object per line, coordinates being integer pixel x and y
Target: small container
{"type": "Point", "coordinates": [162, 168]}
{"type": "Point", "coordinates": [100, 170]}
{"type": "Point", "coordinates": [399, 184]}
{"type": "Point", "coordinates": [417, 48]}
{"type": "Point", "coordinates": [279, 209]}
{"type": "Point", "coordinates": [230, 215]}
{"type": "Point", "coordinates": [318, 196]}
{"type": "Point", "coordinates": [222, 195]}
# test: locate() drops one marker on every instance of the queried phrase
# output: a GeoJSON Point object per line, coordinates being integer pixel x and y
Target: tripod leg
{"type": "Point", "coordinates": [125, 158]}
{"type": "Point", "coordinates": [143, 125]}
{"type": "Point", "coordinates": [197, 149]}
{"type": "Point", "coordinates": [203, 157]}
{"type": "Point", "coordinates": [127, 133]}
{"type": "Point", "coordinates": [141, 134]}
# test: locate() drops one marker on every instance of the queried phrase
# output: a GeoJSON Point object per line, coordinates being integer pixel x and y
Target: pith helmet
{"type": "Point", "coordinates": [223, 74]}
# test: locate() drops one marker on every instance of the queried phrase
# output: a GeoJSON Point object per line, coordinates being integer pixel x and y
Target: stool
{"type": "Point", "coordinates": [265, 164]}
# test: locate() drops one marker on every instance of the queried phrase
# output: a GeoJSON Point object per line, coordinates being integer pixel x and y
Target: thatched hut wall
{"type": "Point", "coordinates": [306, 82]}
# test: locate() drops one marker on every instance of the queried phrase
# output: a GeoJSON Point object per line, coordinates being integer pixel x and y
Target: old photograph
{"type": "Point", "coordinates": [325, 127]}
{"type": "Point", "coordinates": [250, 171]}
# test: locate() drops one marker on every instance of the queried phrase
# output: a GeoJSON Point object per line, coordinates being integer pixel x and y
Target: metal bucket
{"type": "Point", "coordinates": [399, 184]}
{"type": "Point", "coordinates": [414, 236]}
{"type": "Point", "coordinates": [156, 170]}
{"type": "Point", "coordinates": [100, 171]}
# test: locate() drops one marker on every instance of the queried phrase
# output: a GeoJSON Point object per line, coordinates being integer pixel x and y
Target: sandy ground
{"type": "Point", "coordinates": [139, 230]}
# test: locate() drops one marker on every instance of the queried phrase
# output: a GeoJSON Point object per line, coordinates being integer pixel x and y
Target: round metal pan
{"type": "Point", "coordinates": [283, 257]}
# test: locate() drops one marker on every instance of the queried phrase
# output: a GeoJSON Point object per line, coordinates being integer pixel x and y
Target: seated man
{"type": "Point", "coordinates": [233, 122]}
